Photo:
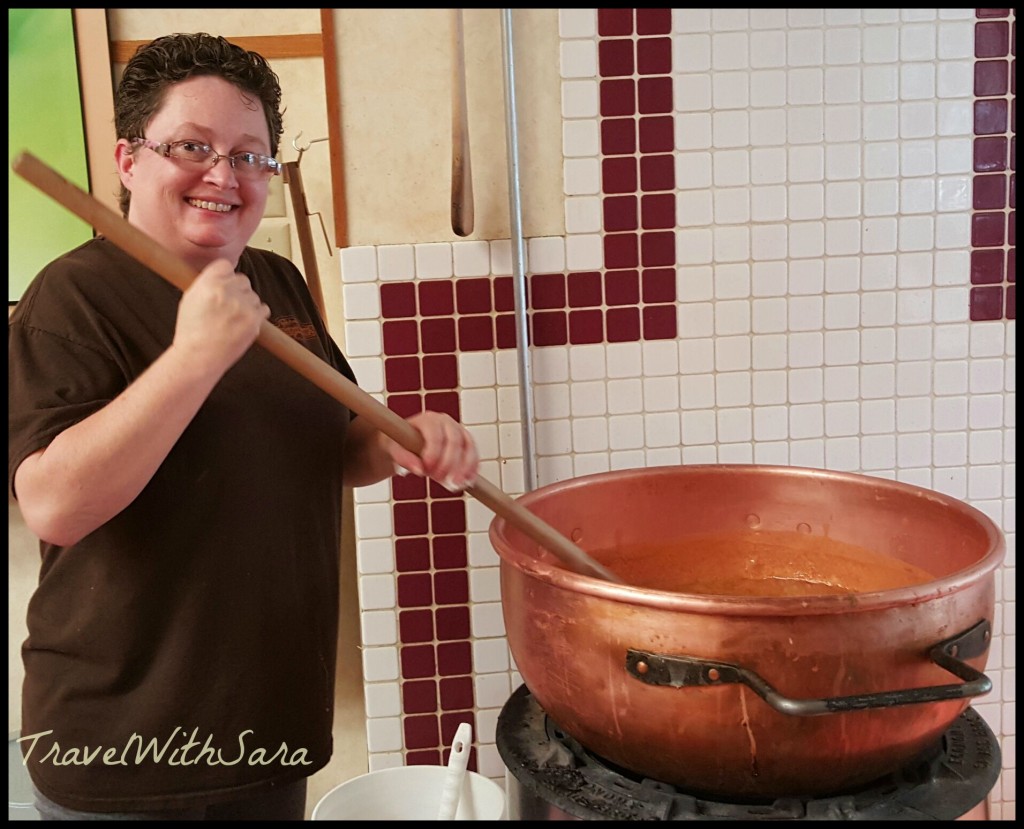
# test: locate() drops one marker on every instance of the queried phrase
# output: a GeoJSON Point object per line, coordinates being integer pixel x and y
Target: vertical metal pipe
{"type": "Point", "coordinates": [518, 254]}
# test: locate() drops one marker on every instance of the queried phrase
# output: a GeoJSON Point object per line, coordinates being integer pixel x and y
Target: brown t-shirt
{"type": "Point", "coordinates": [183, 653]}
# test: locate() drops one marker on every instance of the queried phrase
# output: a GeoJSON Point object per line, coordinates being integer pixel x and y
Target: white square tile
{"type": "Point", "coordinates": [358, 264]}
{"type": "Point", "coordinates": [471, 258]}
{"type": "Point", "coordinates": [578, 59]}
{"type": "Point", "coordinates": [485, 621]}
{"type": "Point", "coordinates": [379, 627]}
{"type": "Point", "coordinates": [580, 99]}
{"type": "Point", "coordinates": [434, 260]}
{"type": "Point", "coordinates": [691, 50]}
{"type": "Point", "coordinates": [380, 664]}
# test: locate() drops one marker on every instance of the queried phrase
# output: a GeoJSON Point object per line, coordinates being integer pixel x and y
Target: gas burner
{"type": "Point", "coordinates": [551, 776]}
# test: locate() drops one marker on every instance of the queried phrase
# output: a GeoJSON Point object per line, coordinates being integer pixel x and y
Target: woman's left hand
{"type": "Point", "coordinates": [449, 453]}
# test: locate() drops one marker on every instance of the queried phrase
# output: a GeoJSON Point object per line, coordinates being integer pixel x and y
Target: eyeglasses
{"type": "Point", "coordinates": [245, 164]}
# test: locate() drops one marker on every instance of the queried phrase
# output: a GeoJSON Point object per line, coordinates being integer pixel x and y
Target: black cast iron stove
{"type": "Point", "coordinates": [552, 777]}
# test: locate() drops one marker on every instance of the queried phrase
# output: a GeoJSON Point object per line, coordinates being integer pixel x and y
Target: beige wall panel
{"type": "Point", "coordinates": [145, 24]}
{"type": "Point", "coordinates": [395, 68]}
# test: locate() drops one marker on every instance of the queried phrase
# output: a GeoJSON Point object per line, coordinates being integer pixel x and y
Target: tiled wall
{"type": "Point", "coordinates": [789, 240]}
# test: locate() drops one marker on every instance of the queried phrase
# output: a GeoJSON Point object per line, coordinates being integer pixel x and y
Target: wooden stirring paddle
{"type": "Point", "coordinates": [172, 268]}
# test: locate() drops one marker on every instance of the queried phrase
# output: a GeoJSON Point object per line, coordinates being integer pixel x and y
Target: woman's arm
{"type": "Point", "coordinates": [94, 469]}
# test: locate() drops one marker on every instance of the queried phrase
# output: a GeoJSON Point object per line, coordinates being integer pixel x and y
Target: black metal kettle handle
{"type": "Point", "coordinates": [689, 671]}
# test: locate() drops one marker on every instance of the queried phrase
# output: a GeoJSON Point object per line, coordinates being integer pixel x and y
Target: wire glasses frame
{"type": "Point", "coordinates": [247, 164]}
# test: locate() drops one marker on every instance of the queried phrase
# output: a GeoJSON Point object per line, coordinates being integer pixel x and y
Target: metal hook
{"type": "Point", "coordinates": [301, 150]}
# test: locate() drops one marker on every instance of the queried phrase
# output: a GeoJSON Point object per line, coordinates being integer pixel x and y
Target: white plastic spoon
{"type": "Point", "coordinates": [457, 761]}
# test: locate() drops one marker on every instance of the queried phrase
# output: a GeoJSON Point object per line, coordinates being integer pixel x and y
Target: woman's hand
{"type": "Point", "coordinates": [449, 454]}
{"type": "Point", "coordinates": [219, 316]}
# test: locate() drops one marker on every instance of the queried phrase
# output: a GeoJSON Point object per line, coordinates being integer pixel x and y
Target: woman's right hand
{"type": "Point", "coordinates": [219, 316]}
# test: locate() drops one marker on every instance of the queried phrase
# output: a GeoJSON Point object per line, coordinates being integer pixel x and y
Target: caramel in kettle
{"type": "Point", "coordinates": [760, 563]}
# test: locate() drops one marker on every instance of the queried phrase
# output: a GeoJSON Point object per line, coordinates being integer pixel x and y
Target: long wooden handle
{"type": "Point", "coordinates": [462, 169]}
{"type": "Point", "coordinates": [172, 268]}
{"type": "Point", "coordinates": [300, 209]}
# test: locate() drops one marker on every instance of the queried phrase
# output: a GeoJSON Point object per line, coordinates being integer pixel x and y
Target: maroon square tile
{"type": "Point", "coordinates": [1012, 200]}
{"type": "Point", "coordinates": [436, 298]}
{"type": "Point", "coordinates": [991, 40]}
{"type": "Point", "coordinates": [397, 299]}
{"type": "Point", "coordinates": [618, 136]}
{"type": "Point", "coordinates": [990, 116]}
{"type": "Point", "coordinates": [619, 175]}
{"type": "Point", "coordinates": [452, 623]}
{"type": "Point", "coordinates": [611, 22]}
{"type": "Point", "coordinates": [456, 693]}
{"type": "Point", "coordinates": [990, 192]}
{"type": "Point", "coordinates": [451, 587]}
{"type": "Point", "coordinates": [437, 336]}
{"type": "Point", "coordinates": [987, 303]}
{"type": "Point", "coordinates": [440, 372]}
{"type": "Point", "coordinates": [505, 331]}
{"type": "Point", "coordinates": [586, 327]}
{"type": "Point", "coordinates": [410, 518]}
{"type": "Point", "coordinates": [547, 290]}
{"type": "Point", "coordinates": [992, 12]}
{"type": "Point", "coordinates": [414, 590]}
{"type": "Point", "coordinates": [584, 289]}
{"type": "Point", "coordinates": [415, 626]}
{"type": "Point", "coordinates": [424, 758]}
{"type": "Point", "coordinates": [447, 517]}
{"type": "Point", "coordinates": [657, 172]}
{"type": "Point", "coordinates": [653, 21]}
{"type": "Point", "coordinates": [405, 404]}
{"type": "Point", "coordinates": [1011, 265]}
{"type": "Point", "coordinates": [657, 134]}
{"type": "Point", "coordinates": [504, 294]}
{"type": "Point", "coordinates": [654, 95]}
{"type": "Point", "coordinates": [620, 250]}
{"type": "Point", "coordinates": [1011, 302]}
{"type": "Point", "coordinates": [549, 328]}
{"type": "Point", "coordinates": [660, 322]}
{"type": "Point", "coordinates": [618, 97]}
{"type": "Point", "coordinates": [619, 213]}
{"type": "Point", "coordinates": [657, 248]}
{"type": "Point", "coordinates": [401, 337]}
{"type": "Point", "coordinates": [412, 554]}
{"type": "Point", "coordinates": [445, 402]}
{"type": "Point", "coordinates": [402, 373]}
{"type": "Point", "coordinates": [991, 77]}
{"type": "Point", "coordinates": [658, 211]}
{"type": "Point", "coordinates": [1011, 232]}
{"type": "Point", "coordinates": [419, 696]}
{"type": "Point", "coordinates": [622, 287]}
{"type": "Point", "coordinates": [408, 487]}
{"type": "Point", "coordinates": [421, 732]}
{"type": "Point", "coordinates": [449, 551]}
{"type": "Point", "coordinates": [476, 333]}
{"type": "Point", "coordinates": [417, 661]}
{"type": "Point", "coordinates": [990, 154]}
{"type": "Point", "coordinates": [988, 229]}
{"type": "Point", "coordinates": [654, 56]}
{"type": "Point", "coordinates": [454, 658]}
{"type": "Point", "coordinates": [473, 296]}
{"type": "Point", "coordinates": [439, 492]}
{"type": "Point", "coordinates": [658, 285]}
{"type": "Point", "coordinates": [623, 325]}
{"type": "Point", "coordinates": [450, 723]}
{"type": "Point", "coordinates": [615, 58]}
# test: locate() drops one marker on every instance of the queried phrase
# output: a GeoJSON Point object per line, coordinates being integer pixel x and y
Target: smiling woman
{"type": "Point", "coordinates": [42, 67]}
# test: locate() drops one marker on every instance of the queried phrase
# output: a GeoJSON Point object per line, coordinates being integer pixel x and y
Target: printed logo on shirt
{"type": "Point", "coordinates": [296, 330]}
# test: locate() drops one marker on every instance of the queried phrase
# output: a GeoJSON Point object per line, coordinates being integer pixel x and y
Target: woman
{"type": "Point", "coordinates": [186, 487]}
